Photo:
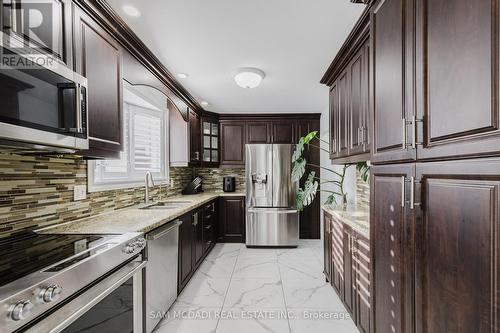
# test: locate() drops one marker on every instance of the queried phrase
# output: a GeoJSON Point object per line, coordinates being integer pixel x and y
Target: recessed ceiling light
{"type": "Point", "coordinates": [131, 10]}
{"type": "Point", "coordinates": [249, 78]}
{"type": "Point", "coordinates": [204, 103]}
{"type": "Point", "coordinates": [182, 75]}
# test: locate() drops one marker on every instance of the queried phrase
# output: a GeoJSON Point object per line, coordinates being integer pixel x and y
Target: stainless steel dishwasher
{"type": "Point", "coordinates": [160, 275]}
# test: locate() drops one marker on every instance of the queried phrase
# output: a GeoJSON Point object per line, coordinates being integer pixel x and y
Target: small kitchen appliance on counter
{"type": "Point", "coordinates": [194, 186]}
{"type": "Point", "coordinates": [229, 184]}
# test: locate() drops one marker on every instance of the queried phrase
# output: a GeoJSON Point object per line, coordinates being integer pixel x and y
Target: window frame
{"type": "Point", "coordinates": [160, 179]}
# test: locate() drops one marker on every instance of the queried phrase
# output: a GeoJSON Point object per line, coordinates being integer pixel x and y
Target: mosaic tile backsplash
{"type": "Point", "coordinates": [37, 191]}
{"type": "Point", "coordinates": [362, 191]}
{"type": "Point", "coordinates": [212, 178]}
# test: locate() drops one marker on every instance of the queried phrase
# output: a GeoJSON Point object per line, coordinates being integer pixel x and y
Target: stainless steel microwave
{"type": "Point", "coordinates": [43, 106]}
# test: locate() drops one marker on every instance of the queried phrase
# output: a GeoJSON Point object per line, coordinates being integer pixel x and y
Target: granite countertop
{"type": "Point", "coordinates": [133, 219]}
{"type": "Point", "coordinates": [355, 216]}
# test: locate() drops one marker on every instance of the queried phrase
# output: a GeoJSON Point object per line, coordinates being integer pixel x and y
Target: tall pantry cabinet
{"type": "Point", "coordinates": [435, 179]}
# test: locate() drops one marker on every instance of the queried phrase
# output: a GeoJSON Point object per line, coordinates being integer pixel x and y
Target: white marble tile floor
{"type": "Point", "coordinates": [239, 289]}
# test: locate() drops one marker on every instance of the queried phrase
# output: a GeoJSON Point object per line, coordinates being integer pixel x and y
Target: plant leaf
{"type": "Point", "coordinates": [299, 168]}
{"type": "Point", "coordinates": [300, 199]}
{"type": "Point", "coordinates": [310, 189]}
{"type": "Point", "coordinates": [331, 200]}
{"type": "Point", "coordinates": [364, 169]}
{"type": "Point", "coordinates": [299, 149]}
{"type": "Point", "coordinates": [310, 136]}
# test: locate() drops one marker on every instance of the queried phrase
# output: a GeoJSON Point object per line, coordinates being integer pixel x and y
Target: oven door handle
{"type": "Point", "coordinates": [89, 299]}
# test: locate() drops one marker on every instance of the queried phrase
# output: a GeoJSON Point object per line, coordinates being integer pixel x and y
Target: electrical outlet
{"type": "Point", "coordinates": [172, 183]}
{"type": "Point", "coordinates": [80, 192]}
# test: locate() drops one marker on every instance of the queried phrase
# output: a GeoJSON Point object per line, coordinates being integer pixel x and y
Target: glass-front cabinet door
{"type": "Point", "coordinates": [210, 140]}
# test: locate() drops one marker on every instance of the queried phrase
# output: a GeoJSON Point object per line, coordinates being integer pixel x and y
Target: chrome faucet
{"type": "Point", "coordinates": [148, 182]}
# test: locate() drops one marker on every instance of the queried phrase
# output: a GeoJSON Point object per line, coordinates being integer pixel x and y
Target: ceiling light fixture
{"type": "Point", "coordinates": [182, 75]}
{"type": "Point", "coordinates": [131, 11]}
{"type": "Point", "coordinates": [249, 78]}
{"type": "Point", "coordinates": [204, 103]}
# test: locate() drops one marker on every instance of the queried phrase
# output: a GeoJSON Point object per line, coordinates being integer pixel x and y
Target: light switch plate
{"type": "Point", "coordinates": [80, 192]}
{"type": "Point", "coordinates": [172, 183]}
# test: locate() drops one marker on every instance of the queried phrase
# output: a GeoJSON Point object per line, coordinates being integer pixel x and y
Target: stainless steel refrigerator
{"type": "Point", "coordinates": [271, 215]}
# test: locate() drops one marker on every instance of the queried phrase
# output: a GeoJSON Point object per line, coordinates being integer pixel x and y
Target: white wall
{"type": "Point", "coordinates": [350, 179]}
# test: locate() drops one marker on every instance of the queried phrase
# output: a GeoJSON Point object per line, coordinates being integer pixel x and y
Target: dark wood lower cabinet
{"type": "Point", "coordinates": [349, 279]}
{"type": "Point", "coordinates": [362, 270]}
{"type": "Point", "coordinates": [457, 246]}
{"type": "Point", "coordinates": [197, 222]}
{"type": "Point", "coordinates": [327, 246]}
{"type": "Point", "coordinates": [347, 267]}
{"type": "Point", "coordinates": [436, 250]}
{"type": "Point", "coordinates": [210, 218]}
{"type": "Point", "coordinates": [196, 240]}
{"type": "Point", "coordinates": [391, 230]}
{"type": "Point", "coordinates": [186, 238]}
{"type": "Point", "coordinates": [232, 220]}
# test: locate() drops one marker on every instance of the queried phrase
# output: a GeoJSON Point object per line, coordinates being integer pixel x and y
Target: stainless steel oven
{"type": "Point", "coordinates": [44, 104]}
{"type": "Point", "coordinates": [72, 283]}
{"type": "Point", "coordinates": [113, 305]}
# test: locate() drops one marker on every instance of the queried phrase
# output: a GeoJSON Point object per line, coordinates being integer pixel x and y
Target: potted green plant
{"type": "Point", "coordinates": [307, 193]}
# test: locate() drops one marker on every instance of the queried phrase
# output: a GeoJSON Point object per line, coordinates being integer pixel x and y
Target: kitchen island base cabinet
{"type": "Point", "coordinates": [232, 220]}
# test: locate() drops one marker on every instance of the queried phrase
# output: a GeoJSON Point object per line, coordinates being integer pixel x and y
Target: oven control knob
{"type": "Point", "coordinates": [140, 243]}
{"type": "Point", "coordinates": [129, 248]}
{"type": "Point", "coordinates": [21, 310]}
{"type": "Point", "coordinates": [51, 293]}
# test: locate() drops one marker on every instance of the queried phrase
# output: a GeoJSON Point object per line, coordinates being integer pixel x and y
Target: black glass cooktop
{"type": "Point", "coordinates": [31, 252]}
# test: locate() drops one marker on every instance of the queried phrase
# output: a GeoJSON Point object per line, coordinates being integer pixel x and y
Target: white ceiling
{"type": "Point", "coordinates": [292, 41]}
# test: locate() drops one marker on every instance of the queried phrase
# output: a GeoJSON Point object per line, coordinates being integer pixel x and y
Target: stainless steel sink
{"type": "Point", "coordinates": [165, 205]}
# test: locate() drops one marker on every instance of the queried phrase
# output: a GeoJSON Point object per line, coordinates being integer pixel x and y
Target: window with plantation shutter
{"type": "Point", "coordinates": [145, 149]}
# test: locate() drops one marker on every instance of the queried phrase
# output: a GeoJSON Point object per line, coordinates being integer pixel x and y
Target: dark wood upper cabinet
{"type": "Point", "coordinates": [210, 141]}
{"type": "Point", "coordinates": [98, 57]}
{"type": "Point", "coordinates": [391, 244]}
{"type": "Point", "coordinates": [356, 111]}
{"type": "Point", "coordinates": [258, 132]}
{"type": "Point", "coordinates": [195, 138]}
{"type": "Point", "coordinates": [391, 77]}
{"type": "Point", "coordinates": [52, 37]}
{"type": "Point", "coordinates": [283, 131]}
{"type": "Point", "coordinates": [334, 121]}
{"type": "Point", "coordinates": [348, 79]}
{"type": "Point", "coordinates": [344, 103]}
{"type": "Point", "coordinates": [458, 246]}
{"type": "Point", "coordinates": [232, 143]}
{"type": "Point", "coordinates": [457, 78]}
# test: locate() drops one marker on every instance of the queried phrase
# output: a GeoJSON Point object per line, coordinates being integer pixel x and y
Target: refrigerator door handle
{"type": "Point", "coordinates": [272, 211]}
